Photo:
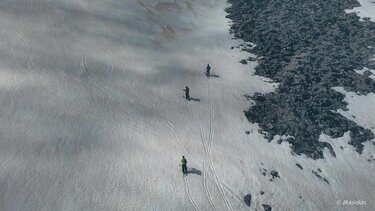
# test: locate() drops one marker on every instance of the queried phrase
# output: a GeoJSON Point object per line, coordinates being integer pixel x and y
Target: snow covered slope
{"type": "Point", "coordinates": [93, 115]}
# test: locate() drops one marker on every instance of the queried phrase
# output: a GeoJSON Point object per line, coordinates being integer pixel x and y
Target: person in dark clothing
{"type": "Point", "coordinates": [187, 96]}
{"type": "Point", "coordinates": [208, 68]}
{"type": "Point", "coordinates": [183, 164]}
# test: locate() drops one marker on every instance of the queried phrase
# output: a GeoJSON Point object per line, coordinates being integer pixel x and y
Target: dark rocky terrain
{"type": "Point", "coordinates": [267, 207]}
{"type": "Point", "coordinates": [299, 166]}
{"type": "Point", "coordinates": [307, 47]}
{"type": "Point", "coordinates": [247, 199]}
{"type": "Point", "coordinates": [319, 176]}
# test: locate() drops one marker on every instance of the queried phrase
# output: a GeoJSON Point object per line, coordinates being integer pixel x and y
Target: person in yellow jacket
{"type": "Point", "coordinates": [183, 163]}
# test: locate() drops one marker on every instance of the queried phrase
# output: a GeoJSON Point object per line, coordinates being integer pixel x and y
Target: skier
{"type": "Point", "coordinates": [187, 96]}
{"type": "Point", "coordinates": [208, 68]}
{"type": "Point", "coordinates": [183, 164]}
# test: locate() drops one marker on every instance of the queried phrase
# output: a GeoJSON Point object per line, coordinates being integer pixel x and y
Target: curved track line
{"type": "Point", "coordinates": [171, 126]}
{"type": "Point", "coordinates": [59, 20]}
{"type": "Point", "coordinates": [105, 90]}
{"type": "Point", "coordinates": [172, 129]}
{"type": "Point", "coordinates": [130, 126]}
{"type": "Point", "coordinates": [86, 112]}
{"type": "Point", "coordinates": [25, 44]}
{"type": "Point", "coordinates": [206, 164]}
{"type": "Point", "coordinates": [167, 123]}
{"type": "Point", "coordinates": [232, 192]}
{"type": "Point", "coordinates": [211, 139]}
{"type": "Point", "coordinates": [187, 190]}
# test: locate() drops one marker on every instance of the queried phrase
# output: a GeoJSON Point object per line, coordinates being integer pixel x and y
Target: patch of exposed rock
{"type": "Point", "coordinates": [308, 47]}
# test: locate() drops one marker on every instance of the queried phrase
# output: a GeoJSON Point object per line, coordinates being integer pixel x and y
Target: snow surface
{"type": "Point", "coordinates": [93, 116]}
{"type": "Point", "coordinates": [362, 72]}
{"type": "Point", "coordinates": [366, 10]}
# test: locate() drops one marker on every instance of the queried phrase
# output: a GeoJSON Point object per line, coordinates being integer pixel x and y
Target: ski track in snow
{"type": "Point", "coordinates": [126, 112]}
{"type": "Point", "coordinates": [206, 142]}
{"type": "Point", "coordinates": [232, 192]}
{"type": "Point", "coordinates": [205, 166]}
{"type": "Point", "coordinates": [209, 150]}
{"type": "Point", "coordinates": [187, 190]}
{"type": "Point", "coordinates": [102, 87]}
{"type": "Point", "coordinates": [109, 91]}
{"type": "Point", "coordinates": [207, 146]}
{"type": "Point", "coordinates": [109, 73]}
{"type": "Point", "coordinates": [24, 43]}
{"type": "Point", "coordinates": [168, 124]}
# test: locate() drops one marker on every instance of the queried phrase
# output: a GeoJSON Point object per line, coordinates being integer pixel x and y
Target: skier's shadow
{"type": "Point", "coordinates": [194, 99]}
{"type": "Point", "coordinates": [213, 75]}
{"type": "Point", "coordinates": [194, 171]}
